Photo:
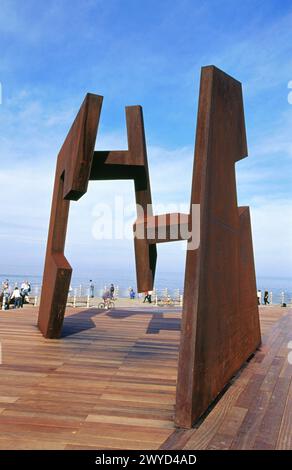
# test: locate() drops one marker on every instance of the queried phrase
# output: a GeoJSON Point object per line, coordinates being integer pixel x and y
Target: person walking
{"type": "Point", "coordinates": [150, 292]}
{"type": "Point", "coordinates": [266, 298]}
{"type": "Point", "coordinates": [147, 296]}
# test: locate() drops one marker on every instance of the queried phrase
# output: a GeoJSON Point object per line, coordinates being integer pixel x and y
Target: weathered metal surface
{"type": "Point", "coordinates": [220, 327]}
{"type": "Point", "coordinates": [71, 180]}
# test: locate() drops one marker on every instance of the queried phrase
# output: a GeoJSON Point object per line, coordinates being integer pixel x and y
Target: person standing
{"type": "Point", "coordinates": [16, 295]}
{"type": "Point", "coordinates": [112, 291]}
{"type": "Point", "coordinates": [24, 292]}
{"type": "Point", "coordinates": [6, 297]}
{"type": "Point", "coordinates": [132, 294]}
{"type": "Point", "coordinates": [23, 288]}
{"type": "Point", "coordinates": [91, 288]}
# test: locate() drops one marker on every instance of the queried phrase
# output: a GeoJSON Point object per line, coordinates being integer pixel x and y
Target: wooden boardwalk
{"type": "Point", "coordinates": [109, 383]}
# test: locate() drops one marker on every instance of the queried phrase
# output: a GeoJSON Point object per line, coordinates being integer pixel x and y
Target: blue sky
{"type": "Point", "coordinates": [148, 53]}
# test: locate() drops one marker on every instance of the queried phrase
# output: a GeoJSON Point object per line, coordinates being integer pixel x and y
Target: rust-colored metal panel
{"type": "Point", "coordinates": [71, 180]}
{"type": "Point", "coordinates": [150, 230]}
{"type": "Point", "coordinates": [220, 327]}
{"type": "Point", "coordinates": [163, 228]}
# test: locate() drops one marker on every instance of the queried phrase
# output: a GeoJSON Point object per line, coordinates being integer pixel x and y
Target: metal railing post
{"type": "Point", "coordinates": [282, 297]}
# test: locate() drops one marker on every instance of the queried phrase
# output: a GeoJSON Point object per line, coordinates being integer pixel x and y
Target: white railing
{"type": "Point", "coordinates": [79, 295]}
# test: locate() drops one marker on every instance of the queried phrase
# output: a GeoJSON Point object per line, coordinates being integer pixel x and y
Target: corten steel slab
{"type": "Point", "coordinates": [77, 164]}
{"type": "Point", "coordinates": [71, 180]}
{"type": "Point", "coordinates": [163, 228]}
{"type": "Point", "coordinates": [220, 326]}
{"type": "Point", "coordinates": [150, 230]}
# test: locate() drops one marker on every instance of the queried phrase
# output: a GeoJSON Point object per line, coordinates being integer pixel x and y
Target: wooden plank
{"type": "Point", "coordinates": [177, 440]}
{"type": "Point", "coordinates": [248, 430]}
{"type": "Point", "coordinates": [206, 431]}
{"type": "Point", "coordinates": [284, 441]}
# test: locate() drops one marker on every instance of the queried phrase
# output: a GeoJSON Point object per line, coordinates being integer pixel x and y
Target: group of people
{"type": "Point", "coordinates": [147, 295]}
{"type": "Point", "coordinates": [17, 296]}
{"type": "Point", "coordinates": [109, 293]}
{"type": "Point", "coordinates": [266, 297]}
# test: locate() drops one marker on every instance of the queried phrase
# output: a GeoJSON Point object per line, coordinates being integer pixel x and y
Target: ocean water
{"type": "Point", "coordinates": [281, 288]}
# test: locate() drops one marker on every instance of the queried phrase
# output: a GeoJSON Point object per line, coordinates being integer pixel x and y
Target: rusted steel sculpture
{"type": "Point", "coordinates": [77, 164]}
{"type": "Point", "coordinates": [220, 322]}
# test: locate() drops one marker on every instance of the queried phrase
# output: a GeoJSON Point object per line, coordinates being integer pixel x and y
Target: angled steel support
{"type": "Point", "coordinates": [71, 180]}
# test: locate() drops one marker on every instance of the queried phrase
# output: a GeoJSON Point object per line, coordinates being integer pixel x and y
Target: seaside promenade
{"type": "Point", "coordinates": [109, 383]}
